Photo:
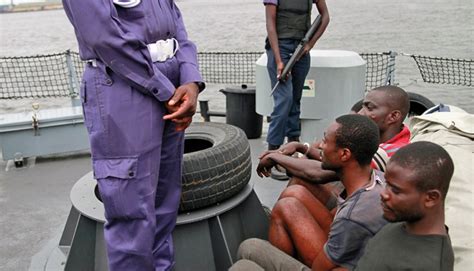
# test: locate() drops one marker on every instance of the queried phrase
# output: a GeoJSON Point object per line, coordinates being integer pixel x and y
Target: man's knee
{"type": "Point", "coordinates": [251, 247]}
{"type": "Point", "coordinates": [286, 209]}
{"type": "Point", "coordinates": [245, 265]}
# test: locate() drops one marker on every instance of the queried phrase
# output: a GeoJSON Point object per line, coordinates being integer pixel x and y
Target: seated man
{"type": "Point", "coordinates": [304, 228]}
{"type": "Point", "coordinates": [417, 178]}
{"type": "Point", "coordinates": [387, 106]}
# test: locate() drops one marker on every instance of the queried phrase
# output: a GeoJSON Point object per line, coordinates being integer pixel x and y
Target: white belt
{"type": "Point", "coordinates": [127, 3]}
{"type": "Point", "coordinates": [93, 62]}
{"type": "Point", "coordinates": [163, 50]}
{"type": "Point", "coordinates": [160, 51]}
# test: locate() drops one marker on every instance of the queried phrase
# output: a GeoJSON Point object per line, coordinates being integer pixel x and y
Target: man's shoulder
{"type": "Point", "coordinates": [354, 224]}
{"type": "Point", "coordinates": [433, 252]}
{"type": "Point", "coordinates": [398, 141]}
{"type": "Point", "coordinates": [384, 238]}
{"type": "Point", "coordinates": [390, 229]}
{"type": "Point", "coordinates": [364, 207]}
{"type": "Point", "coordinates": [367, 196]}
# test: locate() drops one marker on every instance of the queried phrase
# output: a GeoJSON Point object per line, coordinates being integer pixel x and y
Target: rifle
{"type": "Point", "coordinates": [297, 53]}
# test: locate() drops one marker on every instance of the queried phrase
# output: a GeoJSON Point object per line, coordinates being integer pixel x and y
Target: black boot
{"type": "Point", "coordinates": [293, 139]}
{"type": "Point", "coordinates": [273, 147]}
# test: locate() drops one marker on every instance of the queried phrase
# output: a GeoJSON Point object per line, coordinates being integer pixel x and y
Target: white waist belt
{"type": "Point", "coordinates": [163, 50]}
{"type": "Point", "coordinates": [127, 3]}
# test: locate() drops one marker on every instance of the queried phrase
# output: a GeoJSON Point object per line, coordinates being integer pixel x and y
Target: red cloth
{"type": "Point", "coordinates": [388, 148]}
{"type": "Point", "coordinates": [396, 142]}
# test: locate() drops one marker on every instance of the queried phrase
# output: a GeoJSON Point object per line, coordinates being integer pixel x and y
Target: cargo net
{"type": "Point", "coordinates": [445, 70]}
{"type": "Point", "coordinates": [58, 75]}
{"type": "Point", "coordinates": [228, 67]}
{"type": "Point", "coordinates": [39, 76]}
{"type": "Point", "coordinates": [239, 67]}
{"type": "Point", "coordinates": [380, 69]}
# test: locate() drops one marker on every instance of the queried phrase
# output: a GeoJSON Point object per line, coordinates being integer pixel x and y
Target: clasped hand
{"type": "Point", "coordinates": [182, 106]}
{"type": "Point", "coordinates": [266, 162]}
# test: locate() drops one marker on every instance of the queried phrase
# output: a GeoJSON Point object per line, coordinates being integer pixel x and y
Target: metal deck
{"type": "Point", "coordinates": [35, 203]}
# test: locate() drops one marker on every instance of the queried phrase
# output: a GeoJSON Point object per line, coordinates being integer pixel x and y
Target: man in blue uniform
{"type": "Point", "coordinates": [139, 92]}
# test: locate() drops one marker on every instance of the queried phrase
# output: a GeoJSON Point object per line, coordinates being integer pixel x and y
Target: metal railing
{"type": "Point", "coordinates": [59, 75]}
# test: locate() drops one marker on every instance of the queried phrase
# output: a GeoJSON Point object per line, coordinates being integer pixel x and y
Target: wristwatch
{"type": "Point", "coordinates": [201, 86]}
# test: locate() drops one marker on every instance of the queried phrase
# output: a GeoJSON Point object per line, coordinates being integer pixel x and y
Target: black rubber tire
{"type": "Point", "coordinates": [216, 164]}
{"type": "Point", "coordinates": [418, 104]}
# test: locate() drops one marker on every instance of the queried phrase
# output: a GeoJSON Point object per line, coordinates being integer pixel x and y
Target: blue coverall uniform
{"type": "Point", "coordinates": [136, 154]}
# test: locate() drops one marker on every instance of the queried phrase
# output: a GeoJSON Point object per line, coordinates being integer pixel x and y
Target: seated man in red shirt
{"type": "Point", "coordinates": [388, 107]}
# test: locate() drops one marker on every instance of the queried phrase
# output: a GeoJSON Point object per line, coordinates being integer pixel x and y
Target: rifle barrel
{"type": "Point", "coordinates": [299, 49]}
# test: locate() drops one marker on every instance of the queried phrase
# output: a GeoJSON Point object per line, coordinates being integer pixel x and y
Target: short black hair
{"type": "Point", "coordinates": [360, 135]}
{"type": "Point", "coordinates": [398, 99]}
{"type": "Point", "coordinates": [430, 163]}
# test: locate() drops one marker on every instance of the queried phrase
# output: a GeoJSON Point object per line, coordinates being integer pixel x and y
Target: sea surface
{"type": "Point", "coordinates": [441, 28]}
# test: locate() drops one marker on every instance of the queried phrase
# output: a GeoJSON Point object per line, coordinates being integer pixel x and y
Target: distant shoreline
{"type": "Point", "coordinates": [28, 7]}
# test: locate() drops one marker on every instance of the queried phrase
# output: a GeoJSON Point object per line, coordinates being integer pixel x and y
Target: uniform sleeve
{"type": "Point", "coordinates": [346, 242]}
{"type": "Point", "coordinates": [98, 27]}
{"type": "Point", "coordinates": [187, 53]}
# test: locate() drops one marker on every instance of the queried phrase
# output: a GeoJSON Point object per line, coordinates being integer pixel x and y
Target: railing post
{"type": "Point", "coordinates": [73, 80]}
{"type": "Point", "coordinates": [390, 78]}
{"type": "Point", "coordinates": [204, 108]}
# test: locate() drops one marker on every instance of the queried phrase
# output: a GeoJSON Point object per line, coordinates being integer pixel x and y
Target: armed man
{"type": "Point", "coordinates": [287, 22]}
